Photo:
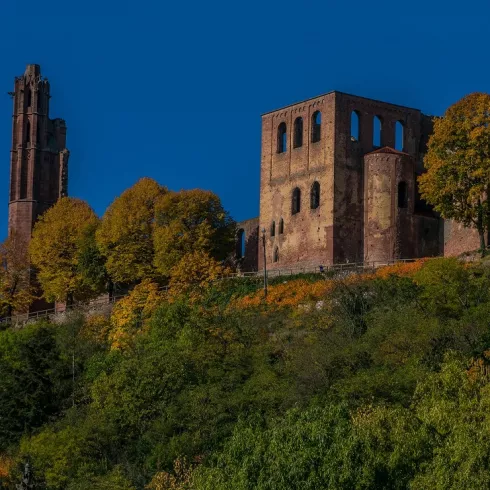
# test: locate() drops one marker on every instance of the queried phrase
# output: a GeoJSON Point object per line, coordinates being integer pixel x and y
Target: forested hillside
{"type": "Point", "coordinates": [367, 382]}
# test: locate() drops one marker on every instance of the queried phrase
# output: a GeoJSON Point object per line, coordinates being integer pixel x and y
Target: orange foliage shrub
{"type": "Point", "coordinates": [299, 291]}
{"type": "Point", "coordinates": [6, 464]}
{"type": "Point", "coordinates": [401, 269]}
{"type": "Point", "coordinates": [288, 294]}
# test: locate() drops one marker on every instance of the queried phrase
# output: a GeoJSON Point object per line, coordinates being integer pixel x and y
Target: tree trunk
{"type": "Point", "coordinates": [481, 230]}
{"type": "Point", "coordinates": [483, 247]}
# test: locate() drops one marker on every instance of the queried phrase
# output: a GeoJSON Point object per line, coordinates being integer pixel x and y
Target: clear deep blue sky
{"type": "Point", "coordinates": [175, 90]}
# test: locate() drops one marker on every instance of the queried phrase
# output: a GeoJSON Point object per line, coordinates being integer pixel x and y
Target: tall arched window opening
{"type": "Point", "coordinates": [276, 255]}
{"type": "Point", "coordinates": [240, 244]}
{"type": "Point", "coordinates": [399, 136]}
{"type": "Point", "coordinates": [354, 126]}
{"type": "Point", "coordinates": [28, 132]}
{"type": "Point", "coordinates": [29, 97]}
{"type": "Point", "coordinates": [296, 201]}
{"type": "Point", "coordinates": [273, 229]}
{"type": "Point", "coordinates": [402, 195]}
{"type": "Point", "coordinates": [298, 133]}
{"type": "Point", "coordinates": [315, 196]}
{"type": "Point", "coordinates": [316, 127]}
{"type": "Point", "coordinates": [377, 128]}
{"type": "Point", "coordinates": [281, 227]}
{"type": "Point", "coordinates": [282, 138]}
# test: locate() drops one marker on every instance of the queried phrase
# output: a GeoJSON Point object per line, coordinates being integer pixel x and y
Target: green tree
{"type": "Point", "coordinates": [55, 249]}
{"type": "Point", "coordinates": [125, 237]}
{"type": "Point", "coordinates": [457, 181]}
{"type": "Point", "coordinates": [33, 380]}
{"type": "Point", "coordinates": [191, 221]}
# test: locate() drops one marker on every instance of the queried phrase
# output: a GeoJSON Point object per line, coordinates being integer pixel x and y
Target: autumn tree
{"type": "Point", "coordinates": [125, 236]}
{"type": "Point", "coordinates": [457, 181]}
{"type": "Point", "coordinates": [16, 290]}
{"type": "Point", "coordinates": [194, 273]}
{"type": "Point", "coordinates": [131, 314]}
{"type": "Point", "coordinates": [91, 263]}
{"type": "Point", "coordinates": [191, 221]}
{"type": "Point", "coordinates": [55, 249]}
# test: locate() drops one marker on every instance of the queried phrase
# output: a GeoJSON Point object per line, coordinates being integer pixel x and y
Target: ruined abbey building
{"type": "Point", "coordinates": [339, 184]}
{"type": "Point", "coordinates": [38, 158]}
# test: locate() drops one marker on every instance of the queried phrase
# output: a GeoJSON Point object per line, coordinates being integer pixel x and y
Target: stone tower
{"type": "Point", "coordinates": [388, 206]}
{"type": "Point", "coordinates": [38, 158]}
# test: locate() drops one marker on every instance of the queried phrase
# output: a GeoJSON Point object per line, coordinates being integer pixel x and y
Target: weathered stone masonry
{"type": "Point", "coordinates": [39, 158]}
{"type": "Point", "coordinates": [316, 176]}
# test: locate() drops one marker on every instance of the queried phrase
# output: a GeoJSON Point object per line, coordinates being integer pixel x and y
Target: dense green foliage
{"type": "Point", "coordinates": [385, 386]}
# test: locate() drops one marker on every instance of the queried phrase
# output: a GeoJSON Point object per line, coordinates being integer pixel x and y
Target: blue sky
{"type": "Point", "coordinates": [175, 90]}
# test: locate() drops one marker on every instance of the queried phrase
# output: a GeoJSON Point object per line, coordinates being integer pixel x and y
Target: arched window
{"type": "Point", "coordinates": [281, 138]}
{"type": "Point", "coordinates": [276, 255]}
{"type": "Point", "coordinates": [354, 126]}
{"type": "Point", "coordinates": [316, 127]}
{"type": "Point", "coordinates": [240, 252]}
{"type": "Point", "coordinates": [296, 202]}
{"type": "Point", "coordinates": [315, 195]}
{"type": "Point", "coordinates": [377, 125]}
{"type": "Point", "coordinates": [298, 132]}
{"type": "Point", "coordinates": [29, 97]}
{"type": "Point", "coordinates": [399, 144]}
{"type": "Point", "coordinates": [273, 229]}
{"type": "Point", "coordinates": [402, 195]}
{"type": "Point", "coordinates": [281, 227]}
{"type": "Point", "coordinates": [28, 132]}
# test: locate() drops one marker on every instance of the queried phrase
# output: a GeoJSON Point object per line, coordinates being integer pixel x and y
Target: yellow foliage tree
{"type": "Point", "coordinates": [181, 479]}
{"type": "Point", "coordinates": [55, 247]}
{"type": "Point", "coordinates": [457, 181]}
{"type": "Point", "coordinates": [190, 221]}
{"type": "Point", "coordinates": [194, 273]}
{"type": "Point", "coordinates": [130, 314]}
{"type": "Point", "coordinates": [16, 290]}
{"type": "Point", "coordinates": [96, 328]}
{"type": "Point", "coordinates": [125, 236]}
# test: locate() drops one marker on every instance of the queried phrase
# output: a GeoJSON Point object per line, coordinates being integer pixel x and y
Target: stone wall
{"type": "Point", "coordinates": [333, 232]}
{"type": "Point", "coordinates": [307, 235]}
{"type": "Point", "coordinates": [247, 252]}
{"type": "Point", "coordinates": [459, 239]}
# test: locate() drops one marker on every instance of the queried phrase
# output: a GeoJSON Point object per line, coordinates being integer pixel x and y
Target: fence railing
{"type": "Point", "coordinates": [321, 269]}
{"type": "Point", "coordinates": [56, 311]}
{"type": "Point", "coordinates": [347, 268]}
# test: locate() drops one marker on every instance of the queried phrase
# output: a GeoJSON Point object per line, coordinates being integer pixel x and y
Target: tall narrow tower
{"type": "Point", "coordinates": [38, 158]}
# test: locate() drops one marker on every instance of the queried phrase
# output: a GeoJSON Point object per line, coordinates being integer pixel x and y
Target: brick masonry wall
{"type": "Point", "coordinates": [248, 261]}
{"type": "Point", "coordinates": [458, 239]}
{"type": "Point", "coordinates": [349, 171]}
{"type": "Point", "coordinates": [307, 235]}
{"type": "Point", "coordinates": [39, 159]}
{"type": "Point", "coordinates": [334, 232]}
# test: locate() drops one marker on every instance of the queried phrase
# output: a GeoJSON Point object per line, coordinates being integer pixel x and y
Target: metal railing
{"type": "Point", "coordinates": [321, 269]}
{"type": "Point", "coordinates": [56, 311]}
